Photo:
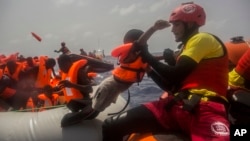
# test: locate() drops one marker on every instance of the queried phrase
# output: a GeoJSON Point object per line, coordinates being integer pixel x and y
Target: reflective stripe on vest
{"type": "Point", "coordinates": [72, 93]}
{"type": "Point", "coordinates": [44, 75]}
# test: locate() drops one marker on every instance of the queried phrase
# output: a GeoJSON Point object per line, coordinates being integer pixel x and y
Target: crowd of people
{"type": "Point", "coordinates": [200, 80]}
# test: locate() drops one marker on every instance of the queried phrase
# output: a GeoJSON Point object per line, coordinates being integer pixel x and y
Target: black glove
{"type": "Point", "coordinates": [168, 55]}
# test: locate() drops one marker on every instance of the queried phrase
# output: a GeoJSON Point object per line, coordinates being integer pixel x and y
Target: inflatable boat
{"type": "Point", "coordinates": [97, 65]}
{"type": "Point", "coordinates": [46, 125]}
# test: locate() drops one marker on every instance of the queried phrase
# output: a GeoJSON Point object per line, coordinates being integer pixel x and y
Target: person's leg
{"type": "Point", "coordinates": [77, 117]}
{"type": "Point", "coordinates": [77, 104]}
{"type": "Point", "coordinates": [93, 115]}
{"type": "Point", "coordinates": [210, 123]}
{"type": "Point", "coordinates": [138, 119]}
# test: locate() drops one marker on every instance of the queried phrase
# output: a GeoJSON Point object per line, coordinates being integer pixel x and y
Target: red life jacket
{"type": "Point", "coordinates": [243, 66]}
{"type": "Point", "coordinates": [210, 74]}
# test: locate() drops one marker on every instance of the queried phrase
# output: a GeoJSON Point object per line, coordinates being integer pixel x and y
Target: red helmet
{"type": "Point", "coordinates": [189, 12]}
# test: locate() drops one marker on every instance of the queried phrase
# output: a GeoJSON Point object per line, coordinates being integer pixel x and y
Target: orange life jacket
{"type": "Point", "coordinates": [10, 57]}
{"type": "Point", "coordinates": [7, 93]}
{"type": "Point", "coordinates": [47, 101]}
{"type": "Point", "coordinates": [15, 75]}
{"type": "Point", "coordinates": [236, 50]}
{"type": "Point", "coordinates": [128, 72]}
{"type": "Point", "coordinates": [44, 75]}
{"type": "Point", "coordinates": [30, 105]}
{"type": "Point", "coordinates": [72, 93]}
{"type": "Point", "coordinates": [142, 137]}
{"type": "Point", "coordinates": [92, 74]}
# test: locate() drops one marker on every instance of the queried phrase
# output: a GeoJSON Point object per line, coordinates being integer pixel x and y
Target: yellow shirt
{"type": "Point", "coordinates": [202, 46]}
{"type": "Point", "coordinates": [235, 80]}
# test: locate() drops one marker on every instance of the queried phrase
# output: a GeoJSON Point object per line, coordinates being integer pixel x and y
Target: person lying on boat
{"type": "Point", "coordinates": [198, 106]}
{"type": "Point", "coordinates": [64, 49]}
{"type": "Point", "coordinates": [108, 90]}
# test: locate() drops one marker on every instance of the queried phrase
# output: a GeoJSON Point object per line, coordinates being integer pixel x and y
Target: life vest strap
{"type": "Point", "coordinates": [138, 71]}
{"type": "Point", "coordinates": [190, 100]}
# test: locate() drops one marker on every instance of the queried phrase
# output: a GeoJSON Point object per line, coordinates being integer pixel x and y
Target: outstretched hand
{"type": "Point", "coordinates": [64, 83]}
{"type": "Point", "coordinates": [161, 24]}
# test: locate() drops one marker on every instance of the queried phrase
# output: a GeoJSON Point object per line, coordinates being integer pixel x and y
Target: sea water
{"type": "Point", "coordinates": [141, 92]}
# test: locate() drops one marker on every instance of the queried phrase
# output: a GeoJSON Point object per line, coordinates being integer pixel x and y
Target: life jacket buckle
{"type": "Point", "coordinates": [190, 103]}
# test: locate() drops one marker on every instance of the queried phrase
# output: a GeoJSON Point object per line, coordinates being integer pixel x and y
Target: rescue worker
{"type": "Point", "coordinates": [201, 74]}
{"type": "Point", "coordinates": [239, 91]}
{"type": "Point", "coordinates": [107, 92]}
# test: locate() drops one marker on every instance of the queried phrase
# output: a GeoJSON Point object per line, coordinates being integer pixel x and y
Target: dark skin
{"type": "Point", "coordinates": [84, 84]}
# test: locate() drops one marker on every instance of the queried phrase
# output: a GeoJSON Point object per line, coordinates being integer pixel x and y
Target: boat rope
{"type": "Point", "coordinates": [38, 108]}
{"type": "Point", "coordinates": [126, 105]}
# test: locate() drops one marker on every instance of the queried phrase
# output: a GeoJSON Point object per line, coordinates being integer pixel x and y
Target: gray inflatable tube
{"type": "Point", "coordinates": [45, 125]}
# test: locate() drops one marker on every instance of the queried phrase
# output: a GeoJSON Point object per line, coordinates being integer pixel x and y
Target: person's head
{"type": "Point", "coordinates": [64, 63]}
{"type": "Point", "coordinates": [132, 35]}
{"type": "Point", "coordinates": [11, 65]}
{"type": "Point", "coordinates": [186, 20]}
{"type": "Point", "coordinates": [50, 63]}
{"type": "Point", "coordinates": [30, 61]}
{"type": "Point", "coordinates": [63, 44]}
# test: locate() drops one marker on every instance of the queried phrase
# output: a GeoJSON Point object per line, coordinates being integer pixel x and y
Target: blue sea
{"type": "Point", "coordinates": [141, 92]}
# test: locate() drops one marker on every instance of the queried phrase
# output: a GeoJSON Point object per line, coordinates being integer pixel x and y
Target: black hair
{"type": "Point", "coordinates": [132, 35]}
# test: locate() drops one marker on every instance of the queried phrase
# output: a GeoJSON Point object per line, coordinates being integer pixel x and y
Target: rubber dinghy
{"type": "Point", "coordinates": [97, 65]}
{"type": "Point", "coordinates": [46, 125]}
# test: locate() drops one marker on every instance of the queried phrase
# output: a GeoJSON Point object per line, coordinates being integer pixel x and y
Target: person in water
{"type": "Point", "coordinates": [197, 107]}
{"type": "Point", "coordinates": [64, 49]}
{"type": "Point", "coordinates": [121, 79]}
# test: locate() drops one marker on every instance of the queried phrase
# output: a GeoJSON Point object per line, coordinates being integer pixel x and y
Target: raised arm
{"type": "Point", "coordinates": [159, 25]}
